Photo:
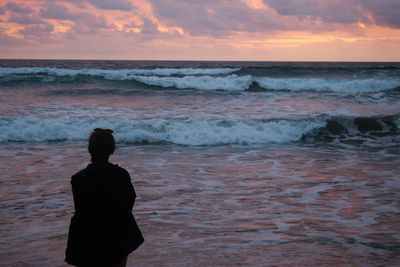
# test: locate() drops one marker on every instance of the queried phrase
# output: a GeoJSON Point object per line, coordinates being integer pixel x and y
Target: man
{"type": "Point", "coordinates": [103, 230]}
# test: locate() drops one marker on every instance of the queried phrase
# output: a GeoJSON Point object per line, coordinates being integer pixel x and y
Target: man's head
{"type": "Point", "coordinates": [101, 144]}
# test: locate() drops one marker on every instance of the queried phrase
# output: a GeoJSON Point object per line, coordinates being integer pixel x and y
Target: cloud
{"type": "Point", "coordinates": [149, 27]}
{"type": "Point", "coordinates": [216, 18]}
{"type": "Point", "coordinates": [383, 12]}
{"type": "Point", "coordinates": [7, 42]}
{"type": "Point", "coordinates": [20, 9]}
{"type": "Point", "coordinates": [220, 18]}
{"type": "Point", "coordinates": [43, 30]}
{"type": "Point", "coordinates": [25, 19]}
{"type": "Point", "coordinates": [123, 5]}
{"type": "Point", "coordinates": [84, 22]}
{"type": "Point", "coordinates": [333, 11]}
{"type": "Point", "coordinates": [59, 12]}
{"type": "Point", "coordinates": [88, 23]}
{"type": "Point", "coordinates": [212, 29]}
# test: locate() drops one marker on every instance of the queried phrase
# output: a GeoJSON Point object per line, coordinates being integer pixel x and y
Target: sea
{"type": "Point", "coordinates": [233, 163]}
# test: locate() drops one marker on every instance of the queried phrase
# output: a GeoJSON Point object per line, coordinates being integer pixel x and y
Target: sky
{"type": "Point", "coordinates": [254, 30]}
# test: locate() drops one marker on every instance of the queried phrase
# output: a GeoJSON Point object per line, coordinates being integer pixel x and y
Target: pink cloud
{"type": "Point", "coordinates": [113, 4]}
{"type": "Point", "coordinates": [205, 29]}
{"type": "Point", "coordinates": [7, 42]}
{"type": "Point", "coordinates": [216, 18]}
{"type": "Point", "coordinates": [25, 19]}
{"type": "Point", "coordinates": [383, 12]}
{"type": "Point", "coordinates": [84, 22]}
{"type": "Point", "coordinates": [123, 5]}
{"type": "Point", "coordinates": [38, 31]}
{"type": "Point", "coordinates": [16, 8]}
{"type": "Point", "coordinates": [334, 11]}
{"type": "Point", "coordinates": [59, 12]}
{"type": "Point", "coordinates": [220, 18]}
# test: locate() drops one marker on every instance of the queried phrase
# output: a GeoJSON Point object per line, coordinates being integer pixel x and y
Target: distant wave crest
{"type": "Point", "coordinates": [206, 79]}
{"type": "Point", "coordinates": [117, 74]}
{"type": "Point", "coordinates": [335, 85]}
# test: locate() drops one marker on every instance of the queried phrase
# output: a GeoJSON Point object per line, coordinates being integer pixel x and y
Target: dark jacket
{"type": "Point", "coordinates": [103, 229]}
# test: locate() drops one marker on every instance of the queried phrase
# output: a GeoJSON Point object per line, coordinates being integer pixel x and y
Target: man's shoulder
{"type": "Point", "coordinates": [80, 174]}
{"type": "Point", "coordinates": [120, 169]}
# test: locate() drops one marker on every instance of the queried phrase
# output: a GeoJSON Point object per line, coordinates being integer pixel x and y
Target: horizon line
{"type": "Point", "coordinates": [206, 60]}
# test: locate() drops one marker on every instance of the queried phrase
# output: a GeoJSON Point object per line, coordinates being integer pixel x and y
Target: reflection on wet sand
{"type": "Point", "coordinates": [221, 206]}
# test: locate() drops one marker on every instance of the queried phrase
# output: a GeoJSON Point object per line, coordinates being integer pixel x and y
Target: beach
{"type": "Point", "coordinates": [233, 163]}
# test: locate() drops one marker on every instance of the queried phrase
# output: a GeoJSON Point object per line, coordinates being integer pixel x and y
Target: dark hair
{"type": "Point", "coordinates": [101, 144]}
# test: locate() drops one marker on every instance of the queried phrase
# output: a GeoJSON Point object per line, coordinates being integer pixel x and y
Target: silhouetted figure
{"type": "Point", "coordinates": [103, 230]}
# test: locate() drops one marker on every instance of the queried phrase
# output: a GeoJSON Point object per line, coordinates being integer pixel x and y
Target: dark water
{"type": "Point", "coordinates": [234, 163]}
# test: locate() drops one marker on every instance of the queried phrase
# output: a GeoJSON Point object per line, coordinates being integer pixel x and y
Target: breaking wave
{"type": "Point", "coordinates": [247, 82]}
{"type": "Point", "coordinates": [315, 84]}
{"type": "Point", "coordinates": [228, 83]}
{"type": "Point", "coordinates": [201, 79]}
{"type": "Point", "coordinates": [120, 74]}
{"type": "Point", "coordinates": [198, 132]}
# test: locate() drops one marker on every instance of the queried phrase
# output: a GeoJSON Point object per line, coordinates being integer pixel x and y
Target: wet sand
{"type": "Point", "coordinates": [219, 206]}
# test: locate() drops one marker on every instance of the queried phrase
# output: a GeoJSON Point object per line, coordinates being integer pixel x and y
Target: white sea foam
{"type": "Point", "coordinates": [241, 83]}
{"type": "Point", "coordinates": [206, 79]}
{"type": "Point", "coordinates": [155, 77]}
{"type": "Point", "coordinates": [228, 83]}
{"type": "Point", "coordinates": [190, 132]}
{"type": "Point", "coordinates": [117, 74]}
{"type": "Point", "coordinates": [314, 84]}
{"type": "Point", "coordinates": [397, 122]}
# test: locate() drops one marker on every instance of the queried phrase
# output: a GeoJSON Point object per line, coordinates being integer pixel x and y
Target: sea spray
{"type": "Point", "coordinates": [195, 132]}
{"type": "Point", "coordinates": [118, 74]}
{"type": "Point", "coordinates": [205, 79]}
{"type": "Point", "coordinates": [190, 132]}
{"type": "Point", "coordinates": [335, 85]}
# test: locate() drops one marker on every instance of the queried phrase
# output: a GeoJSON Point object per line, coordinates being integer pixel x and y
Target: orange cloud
{"type": "Point", "coordinates": [210, 30]}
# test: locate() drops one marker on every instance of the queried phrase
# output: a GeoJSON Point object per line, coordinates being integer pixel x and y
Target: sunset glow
{"type": "Point", "coordinates": [314, 30]}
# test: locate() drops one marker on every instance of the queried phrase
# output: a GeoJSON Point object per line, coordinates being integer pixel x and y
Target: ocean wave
{"type": "Point", "coordinates": [204, 83]}
{"type": "Point", "coordinates": [315, 84]}
{"type": "Point", "coordinates": [205, 79]}
{"type": "Point", "coordinates": [119, 74]}
{"type": "Point", "coordinates": [197, 132]}
{"type": "Point", "coordinates": [241, 83]}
